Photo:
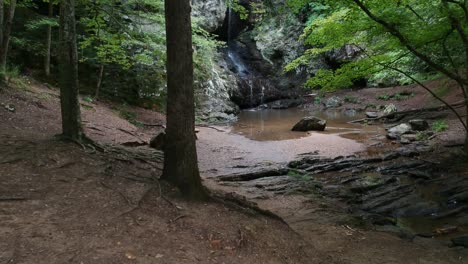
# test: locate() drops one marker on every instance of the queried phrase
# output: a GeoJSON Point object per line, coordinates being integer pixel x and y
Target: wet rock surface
{"type": "Point", "coordinates": [389, 193]}
{"type": "Point", "coordinates": [419, 124]}
{"type": "Point", "coordinates": [310, 123]}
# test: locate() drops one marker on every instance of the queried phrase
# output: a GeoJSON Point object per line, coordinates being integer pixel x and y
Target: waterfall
{"type": "Point", "coordinates": [262, 95]}
{"type": "Point", "coordinates": [229, 25]}
{"type": "Point", "coordinates": [236, 60]}
{"type": "Point", "coordinates": [251, 93]}
{"type": "Point", "coordinates": [247, 77]}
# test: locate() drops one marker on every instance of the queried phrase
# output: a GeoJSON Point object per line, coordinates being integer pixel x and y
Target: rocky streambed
{"type": "Point", "coordinates": [410, 190]}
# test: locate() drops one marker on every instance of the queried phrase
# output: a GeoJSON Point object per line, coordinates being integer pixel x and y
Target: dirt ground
{"type": "Point", "coordinates": [60, 203]}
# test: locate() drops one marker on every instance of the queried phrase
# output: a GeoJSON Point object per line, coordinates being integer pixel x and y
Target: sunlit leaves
{"type": "Point", "coordinates": [424, 25]}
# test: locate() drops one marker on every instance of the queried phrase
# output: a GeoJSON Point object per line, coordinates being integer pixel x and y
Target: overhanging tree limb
{"type": "Point", "coordinates": [406, 43]}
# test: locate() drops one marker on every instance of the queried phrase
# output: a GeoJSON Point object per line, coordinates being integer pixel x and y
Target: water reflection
{"type": "Point", "coordinates": [275, 125]}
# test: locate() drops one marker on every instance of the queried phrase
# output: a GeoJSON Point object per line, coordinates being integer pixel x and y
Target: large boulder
{"type": "Point", "coordinates": [214, 95]}
{"type": "Point", "coordinates": [158, 141]}
{"type": "Point", "coordinates": [310, 123]}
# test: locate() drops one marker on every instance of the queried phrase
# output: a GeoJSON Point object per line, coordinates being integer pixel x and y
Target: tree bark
{"type": "Point", "coordinates": [48, 42]}
{"type": "Point", "coordinates": [68, 67]}
{"type": "Point", "coordinates": [99, 82]}
{"type": "Point", "coordinates": [2, 10]}
{"type": "Point", "coordinates": [180, 155]}
{"type": "Point", "coordinates": [6, 35]}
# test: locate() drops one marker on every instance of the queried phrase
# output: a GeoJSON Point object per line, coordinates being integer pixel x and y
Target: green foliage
{"type": "Point", "coordinates": [384, 97]}
{"type": "Point", "coordinates": [351, 99]}
{"type": "Point", "coordinates": [442, 91]}
{"type": "Point", "coordinates": [439, 126]}
{"type": "Point", "coordinates": [299, 175]}
{"type": "Point", "coordinates": [426, 26]}
{"type": "Point", "coordinates": [127, 38]}
{"type": "Point", "coordinates": [396, 96]}
{"type": "Point", "coordinates": [422, 136]}
{"type": "Point", "coordinates": [88, 99]}
{"type": "Point", "coordinates": [317, 100]}
{"type": "Point", "coordinates": [10, 73]}
{"type": "Point", "coordinates": [124, 112]}
{"type": "Point", "coordinates": [41, 23]}
{"type": "Point", "coordinates": [238, 8]}
{"type": "Point", "coordinates": [371, 106]}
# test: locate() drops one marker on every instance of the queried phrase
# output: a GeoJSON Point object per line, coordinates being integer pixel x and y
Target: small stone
{"type": "Point", "coordinates": [460, 241]}
{"type": "Point", "coordinates": [372, 114]}
{"type": "Point", "coordinates": [10, 108]}
{"type": "Point", "coordinates": [157, 142]}
{"type": "Point", "coordinates": [419, 124]}
{"type": "Point", "coordinates": [400, 129]}
{"type": "Point", "coordinates": [410, 137]}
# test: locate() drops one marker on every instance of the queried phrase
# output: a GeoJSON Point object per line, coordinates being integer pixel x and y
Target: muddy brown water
{"type": "Point", "coordinates": [265, 136]}
{"type": "Point", "coordinates": [275, 125]}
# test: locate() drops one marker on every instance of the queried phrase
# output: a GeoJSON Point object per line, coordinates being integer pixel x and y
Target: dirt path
{"type": "Point", "coordinates": [60, 203]}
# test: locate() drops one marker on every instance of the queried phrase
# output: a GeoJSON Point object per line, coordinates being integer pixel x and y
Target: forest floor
{"type": "Point", "coordinates": [62, 203]}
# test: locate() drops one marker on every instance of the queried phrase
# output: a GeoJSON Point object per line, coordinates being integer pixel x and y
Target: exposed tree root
{"type": "Point", "coordinates": [402, 114]}
{"type": "Point", "coordinates": [240, 203]}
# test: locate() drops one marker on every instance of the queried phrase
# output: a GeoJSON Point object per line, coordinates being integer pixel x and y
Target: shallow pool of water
{"type": "Point", "coordinates": [275, 125]}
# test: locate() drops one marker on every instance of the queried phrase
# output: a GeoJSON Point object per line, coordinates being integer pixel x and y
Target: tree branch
{"type": "Point", "coordinates": [388, 66]}
{"type": "Point", "coordinates": [405, 42]}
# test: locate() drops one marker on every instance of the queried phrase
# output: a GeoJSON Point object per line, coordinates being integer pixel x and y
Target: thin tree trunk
{"type": "Point", "coordinates": [2, 5]}
{"type": "Point", "coordinates": [6, 35]}
{"type": "Point", "coordinates": [68, 67]}
{"type": "Point", "coordinates": [180, 154]}
{"type": "Point", "coordinates": [99, 82]}
{"type": "Point", "coordinates": [49, 42]}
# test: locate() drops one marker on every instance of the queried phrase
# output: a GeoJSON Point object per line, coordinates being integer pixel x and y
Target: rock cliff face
{"type": "Point", "coordinates": [214, 96]}
{"type": "Point", "coordinates": [266, 45]}
{"type": "Point", "coordinates": [251, 72]}
{"type": "Point", "coordinates": [209, 14]}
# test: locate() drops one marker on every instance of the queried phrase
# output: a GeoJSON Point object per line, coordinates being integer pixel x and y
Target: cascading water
{"type": "Point", "coordinates": [238, 64]}
{"type": "Point", "coordinates": [251, 93]}
{"type": "Point", "coordinates": [244, 75]}
{"type": "Point", "coordinates": [262, 98]}
{"type": "Point", "coordinates": [254, 85]}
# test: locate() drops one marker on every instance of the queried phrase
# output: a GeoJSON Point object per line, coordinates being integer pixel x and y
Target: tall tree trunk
{"type": "Point", "coordinates": [68, 67]}
{"type": "Point", "coordinates": [6, 34]}
{"type": "Point", "coordinates": [48, 42]}
{"type": "Point", "coordinates": [99, 82]}
{"type": "Point", "coordinates": [180, 154]}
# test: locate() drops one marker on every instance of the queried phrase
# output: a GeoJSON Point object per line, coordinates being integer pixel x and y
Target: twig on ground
{"type": "Point", "coordinates": [12, 199]}
{"type": "Point", "coordinates": [212, 127]}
